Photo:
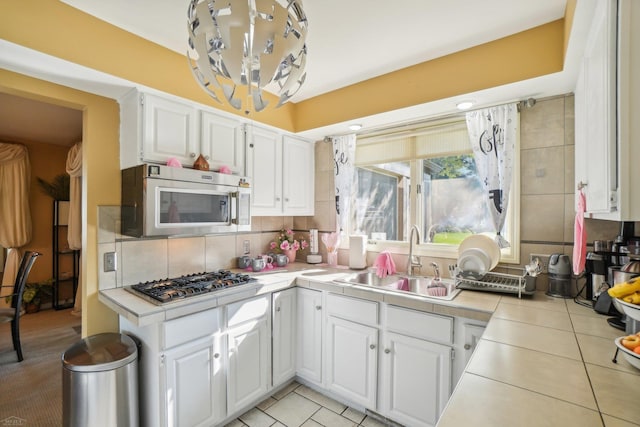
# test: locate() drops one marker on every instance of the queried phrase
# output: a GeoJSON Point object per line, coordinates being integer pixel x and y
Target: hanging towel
{"type": "Point", "coordinates": [580, 236]}
{"type": "Point", "coordinates": [384, 264]}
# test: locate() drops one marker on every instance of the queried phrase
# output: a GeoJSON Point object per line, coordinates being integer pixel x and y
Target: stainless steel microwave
{"type": "Point", "coordinates": [164, 201]}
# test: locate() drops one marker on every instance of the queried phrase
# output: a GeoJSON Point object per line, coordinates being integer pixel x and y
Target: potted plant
{"type": "Point", "coordinates": [33, 294]}
{"type": "Point", "coordinates": [288, 244]}
{"type": "Point", "coordinates": [58, 189]}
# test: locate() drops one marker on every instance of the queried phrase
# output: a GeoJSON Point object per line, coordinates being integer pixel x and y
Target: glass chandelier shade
{"type": "Point", "coordinates": [251, 43]}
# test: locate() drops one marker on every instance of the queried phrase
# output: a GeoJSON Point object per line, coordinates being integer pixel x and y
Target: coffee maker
{"type": "Point", "coordinates": [596, 268]}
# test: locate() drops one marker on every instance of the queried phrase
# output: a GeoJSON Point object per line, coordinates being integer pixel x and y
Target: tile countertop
{"type": "Point", "coordinates": [545, 361]}
{"type": "Point", "coordinates": [541, 361]}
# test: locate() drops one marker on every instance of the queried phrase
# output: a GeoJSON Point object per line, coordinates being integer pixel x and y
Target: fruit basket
{"type": "Point", "coordinates": [631, 310]}
{"type": "Point", "coordinates": [632, 358]}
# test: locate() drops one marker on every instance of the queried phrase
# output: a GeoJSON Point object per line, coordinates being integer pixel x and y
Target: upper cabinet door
{"type": "Point", "coordinates": [168, 130]}
{"type": "Point", "coordinates": [297, 176]}
{"type": "Point", "coordinates": [222, 142]}
{"type": "Point", "coordinates": [264, 161]}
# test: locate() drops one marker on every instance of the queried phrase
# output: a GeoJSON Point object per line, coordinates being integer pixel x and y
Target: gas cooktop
{"type": "Point", "coordinates": [168, 290]}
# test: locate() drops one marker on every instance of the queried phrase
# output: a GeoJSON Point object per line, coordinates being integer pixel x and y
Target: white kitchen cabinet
{"type": "Point", "coordinates": [352, 361]}
{"type": "Point", "coordinates": [222, 142]}
{"type": "Point", "coordinates": [298, 176]}
{"type": "Point", "coordinates": [283, 336]}
{"type": "Point", "coordinates": [282, 171]}
{"type": "Point", "coordinates": [154, 129]}
{"type": "Point", "coordinates": [194, 392]}
{"type": "Point", "coordinates": [309, 335]}
{"type": "Point", "coordinates": [606, 103]}
{"type": "Point", "coordinates": [416, 379]}
{"type": "Point", "coordinates": [248, 352]}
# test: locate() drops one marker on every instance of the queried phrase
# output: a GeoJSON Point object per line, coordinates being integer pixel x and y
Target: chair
{"type": "Point", "coordinates": [13, 314]}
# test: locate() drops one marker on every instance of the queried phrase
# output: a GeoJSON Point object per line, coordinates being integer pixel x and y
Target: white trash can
{"type": "Point", "coordinates": [100, 382]}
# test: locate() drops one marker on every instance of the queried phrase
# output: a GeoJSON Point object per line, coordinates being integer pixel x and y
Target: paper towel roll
{"type": "Point", "coordinates": [358, 251]}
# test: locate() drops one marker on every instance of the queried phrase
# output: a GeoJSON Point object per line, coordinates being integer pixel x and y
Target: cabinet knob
{"type": "Point", "coordinates": [318, 307]}
{"type": "Point", "coordinates": [277, 308]}
{"type": "Point", "coordinates": [286, 200]}
{"type": "Point", "coordinates": [192, 155]}
{"type": "Point", "coordinates": [372, 346]}
{"type": "Point", "coordinates": [277, 199]}
{"type": "Point", "coordinates": [216, 355]}
{"type": "Point", "coordinates": [387, 351]}
{"type": "Point", "coordinates": [467, 346]}
{"type": "Point", "coordinates": [206, 157]}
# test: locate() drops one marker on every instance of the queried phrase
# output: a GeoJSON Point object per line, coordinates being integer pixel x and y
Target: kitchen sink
{"type": "Point", "coordinates": [416, 285]}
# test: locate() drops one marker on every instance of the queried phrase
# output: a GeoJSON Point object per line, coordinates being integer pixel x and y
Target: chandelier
{"type": "Point", "coordinates": [248, 43]}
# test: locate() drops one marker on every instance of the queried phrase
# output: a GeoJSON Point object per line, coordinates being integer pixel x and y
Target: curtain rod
{"type": "Point", "coordinates": [528, 103]}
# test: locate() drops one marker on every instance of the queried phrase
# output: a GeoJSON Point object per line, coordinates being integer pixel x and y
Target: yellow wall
{"type": "Point", "coordinates": [101, 176]}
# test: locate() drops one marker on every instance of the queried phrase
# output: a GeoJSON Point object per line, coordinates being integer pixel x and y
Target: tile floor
{"type": "Point", "coordinates": [298, 405]}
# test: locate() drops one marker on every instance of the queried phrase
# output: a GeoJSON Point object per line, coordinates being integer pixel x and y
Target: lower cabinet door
{"type": "Point", "coordinates": [416, 379]}
{"type": "Point", "coordinates": [249, 363]}
{"type": "Point", "coordinates": [284, 336]}
{"type": "Point", "coordinates": [194, 392]}
{"type": "Point", "coordinates": [352, 357]}
{"type": "Point", "coordinates": [309, 335]}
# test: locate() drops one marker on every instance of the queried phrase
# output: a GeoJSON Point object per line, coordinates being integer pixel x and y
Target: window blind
{"type": "Point", "coordinates": [428, 140]}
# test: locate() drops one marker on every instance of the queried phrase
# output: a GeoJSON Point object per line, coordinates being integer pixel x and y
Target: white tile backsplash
{"type": "Point", "coordinates": [186, 256]}
{"type": "Point", "coordinates": [143, 260]}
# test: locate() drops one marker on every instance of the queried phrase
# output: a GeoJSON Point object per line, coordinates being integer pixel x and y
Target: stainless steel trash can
{"type": "Point", "coordinates": [100, 382]}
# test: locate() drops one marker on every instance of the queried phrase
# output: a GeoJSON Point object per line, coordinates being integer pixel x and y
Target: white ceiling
{"type": "Point", "coordinates": [348, 41]}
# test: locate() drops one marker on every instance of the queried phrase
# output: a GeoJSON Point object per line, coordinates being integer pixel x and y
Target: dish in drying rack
{"type": "Point", "coordinates": [484, 243]}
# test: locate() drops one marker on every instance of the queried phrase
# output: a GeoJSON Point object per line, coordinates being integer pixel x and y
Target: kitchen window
{"type": "Point", "coordinates": [424, 175]}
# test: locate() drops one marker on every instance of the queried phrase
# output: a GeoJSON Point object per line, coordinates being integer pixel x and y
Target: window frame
{"type": "Point", "coordinates": [509, 255]}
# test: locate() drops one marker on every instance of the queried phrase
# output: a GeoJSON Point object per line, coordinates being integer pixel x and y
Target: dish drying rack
{"type": "Point", "coordinates": [523, 283]}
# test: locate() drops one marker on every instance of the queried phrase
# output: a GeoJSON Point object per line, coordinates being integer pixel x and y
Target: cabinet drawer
{"type": "Point", "coordinates": [358, 310]}
{"type": "Point", "coordinates": [189, 328]}
{"type": "Point", "coordinates": [432, 327]}
{"type": "Point", "coordinates": [241, 311]}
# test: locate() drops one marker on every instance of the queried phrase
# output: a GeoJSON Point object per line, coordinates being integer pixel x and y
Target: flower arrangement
{"type": "Point", "coordinates": [286, 241]}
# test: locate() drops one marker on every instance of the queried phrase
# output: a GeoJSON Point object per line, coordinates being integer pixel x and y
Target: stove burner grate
{"type": "Point", "coordinates": [166, 290]}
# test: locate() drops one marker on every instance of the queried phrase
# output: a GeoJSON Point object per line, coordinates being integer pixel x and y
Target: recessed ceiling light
{"type": "Point", "coordinates": [355, 126]}
{"type": "Point", "coordinates": [464, 105]}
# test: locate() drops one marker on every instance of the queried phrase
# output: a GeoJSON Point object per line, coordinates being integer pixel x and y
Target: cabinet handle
{"type": "Point", "coordinates": [372, 346]}
{"type": "Point", "coordinates": [387, 351]}
{"type": "Point", "coordinates": [277, 308]}
{"type": "Point", "coordinates": [216, 355]}
{"type": "Point", "coordinates": [206, 157]}
{"type": "Point", "coordinates": [467, 346]}
{"type": "Point", "coordinates": [250, 145]}
{"type": "Point", "coordinates": [318, 307]}
{"type": "Point", "coordinates": [192, 155]}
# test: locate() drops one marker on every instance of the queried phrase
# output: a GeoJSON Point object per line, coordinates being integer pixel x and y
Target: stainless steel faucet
{"type": "Point", "coordinates": [413, 261]}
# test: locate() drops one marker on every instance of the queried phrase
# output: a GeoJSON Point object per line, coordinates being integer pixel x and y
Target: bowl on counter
{"type": "Point", "coordinates": [632, 358]}
{"type": "Point", "coordinates": [631, 310]}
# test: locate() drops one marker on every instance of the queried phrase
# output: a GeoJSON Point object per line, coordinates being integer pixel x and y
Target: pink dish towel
{"type": "Point", "coordinates": [384, 264]}
{"type": "Point", "coordinates": [580, 236]}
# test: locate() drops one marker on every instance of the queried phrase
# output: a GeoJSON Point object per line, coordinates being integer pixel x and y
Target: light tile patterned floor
{"type": "Point", "coordinates": [298, 405]}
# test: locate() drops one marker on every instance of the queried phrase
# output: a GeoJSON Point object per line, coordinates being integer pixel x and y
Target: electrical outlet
{"type": "Point", "coordinates": [246, 247]}
{"type": "Point", "coordinates": [110, 262]}
{"type": "Point", "coordinates": [543, 259]}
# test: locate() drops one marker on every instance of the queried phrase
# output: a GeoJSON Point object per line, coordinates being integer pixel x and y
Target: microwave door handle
{"type": "Point", "coordinates": [234, 207]}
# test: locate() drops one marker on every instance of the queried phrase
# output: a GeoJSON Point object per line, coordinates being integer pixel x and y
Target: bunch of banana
{"type": "Point", "coordinates": [628, 291]}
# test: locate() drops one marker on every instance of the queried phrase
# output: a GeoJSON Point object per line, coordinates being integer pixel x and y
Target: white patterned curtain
{"type": "Point", "coordinates": [493, 134]}
{"type": "Point", "coordinates": [15, 211]}
{"type": "Point", "coordinates": [344, 152]}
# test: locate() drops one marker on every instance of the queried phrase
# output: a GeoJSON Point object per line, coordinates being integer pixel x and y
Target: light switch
{"type": "Point", "coordinates": [110, 262]}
